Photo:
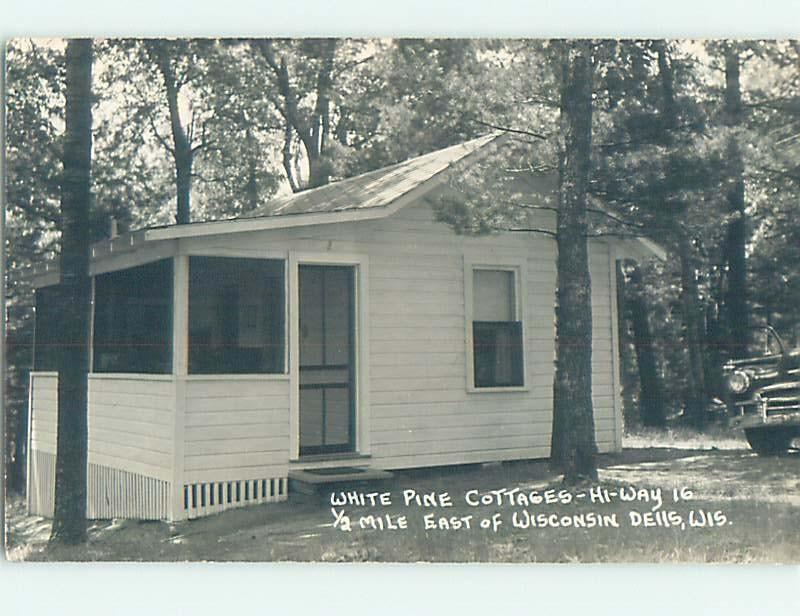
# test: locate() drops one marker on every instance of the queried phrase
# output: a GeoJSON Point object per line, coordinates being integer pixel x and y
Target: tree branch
{"type": "Point", "coordinates": [287, 158]}
{"type": "Point", "coordinates": [290, 107]}
{"type": "Point", "coordinates": [638, 142]}
{"type": "Point", "coordinates": [781, 173]}
{"type": "Point", "coordinates": [527, 206]}
{"type": "Point", "coordinates": [517, 131]}
{"type": "Point", "coordinates": [161, 140]}
{"type": "Point", "coordinates": [529, 230]}
{"type": "Point", "coordinates": [594, 210]}
{"type": "Point", "coordinates": [616, 234]}
{"type": "Point", "coordinates": [348, 65]}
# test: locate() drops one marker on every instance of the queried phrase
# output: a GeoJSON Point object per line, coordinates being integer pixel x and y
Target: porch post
{"type": "Point", "coordinates": [180, 350]}
{"type": "Point", "coordinates": [92, 308]}
{"type": "Point", "coordinates": [29, 440]}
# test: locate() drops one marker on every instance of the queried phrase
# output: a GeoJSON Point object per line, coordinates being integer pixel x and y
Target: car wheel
{"type": "Point", "coordinates": [769, 441]}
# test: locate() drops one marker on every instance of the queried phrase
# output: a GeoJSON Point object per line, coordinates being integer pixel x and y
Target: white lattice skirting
{"type": "Point", "coordinates": [115, 493]}
{"type": "Point", "coordinates": [201, 499]}
{"type": "Point", "coordinates": [41, 483]}
{"type": "Point", "coordinates": [111, 492]}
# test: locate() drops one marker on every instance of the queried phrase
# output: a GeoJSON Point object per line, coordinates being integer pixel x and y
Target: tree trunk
{"type": "Point", "coordinates": [183, 183]}
{"type": "Point", "coordinates": [251, 189]}
{"type": "Point", "coordinates": [182, 151]}
{"type": "Point", "coordinates": [696, 389]}
{"type": "Point", "coordinates": [288, 159]}
{"type": "Point", "coordinates": [319, 172]}
{"type": "Point", "coordinates": [69, 520]}
{"type": "Point", "coordinates": [736, 312]}
{"type": "Point", "coordinates": [651, 399]}
{"type": "Point", "coordinates": [313, 129]}
{"type": "Point", "coordinates": [573, 446]}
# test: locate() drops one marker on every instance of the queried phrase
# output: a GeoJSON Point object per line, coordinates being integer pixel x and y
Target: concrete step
{"type": "Point", "coordinates": [319, 482]}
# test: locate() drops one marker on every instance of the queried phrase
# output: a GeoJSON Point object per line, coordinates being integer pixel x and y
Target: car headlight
{"type": "Point", "coordinates": [738, 382]}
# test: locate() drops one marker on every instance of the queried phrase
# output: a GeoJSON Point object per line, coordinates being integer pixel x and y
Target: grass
{"type": "Point", "coordinates": [759, 497]}
{"type": "Point", "coordinates": [677, 437]}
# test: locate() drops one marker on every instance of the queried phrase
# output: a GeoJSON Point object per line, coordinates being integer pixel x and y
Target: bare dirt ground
{"type": "Point", "coordinates": [695, 499]}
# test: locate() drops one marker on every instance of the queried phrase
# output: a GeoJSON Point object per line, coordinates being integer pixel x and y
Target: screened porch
{"type": "Point", "coordinates": [188, 388]}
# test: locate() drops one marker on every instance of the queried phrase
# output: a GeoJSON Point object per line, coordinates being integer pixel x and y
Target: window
{"type": "Point", "coordinates": [496, 329]}
{"type": "Point", "coordinates": [133, 320]}
{"type": "Point", "coordinates": [236, 316]}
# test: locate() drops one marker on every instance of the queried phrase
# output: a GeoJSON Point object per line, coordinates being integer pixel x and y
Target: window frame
{"type": "Point", "coordinates": [93, 371]}
{"type": "Point", "coordinates": [250, 255]}
{"type": "Point", "coordinates": [518, 267]}
{"type": "Point", "coordinates": [361, 391]}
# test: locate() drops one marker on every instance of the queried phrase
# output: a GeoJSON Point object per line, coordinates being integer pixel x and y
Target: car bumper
{"type": "Point", "coordinates": [744, 422]}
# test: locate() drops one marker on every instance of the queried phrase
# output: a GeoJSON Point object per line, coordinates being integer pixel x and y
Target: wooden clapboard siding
{"type": "Point", "coordinates": [130, 448]}
{"type": "Point", "coordinates": [603, 379]}
{"type": "Point", "coordinates": [44, 411]}
{"type": "Point", "coordinates": [236, 429]}
{"type": "Point", "coordinates": [420, 411]}
{"type": "Point", "coordinates": [436, 458]}
{"type": "Point", "coordinates": [497, 443]}
{"type": "Point", "coordinates": [130, 426]}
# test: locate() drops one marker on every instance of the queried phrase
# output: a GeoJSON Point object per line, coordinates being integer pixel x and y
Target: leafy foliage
{"type": "Point", "coordinates": [265, 117]}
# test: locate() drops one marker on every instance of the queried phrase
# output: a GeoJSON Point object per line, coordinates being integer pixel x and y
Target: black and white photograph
{"type": "Point", "coordinates": [402, 300]}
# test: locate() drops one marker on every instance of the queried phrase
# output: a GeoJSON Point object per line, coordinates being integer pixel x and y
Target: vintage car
{"type": "Point", "coordinates": [763, 394]}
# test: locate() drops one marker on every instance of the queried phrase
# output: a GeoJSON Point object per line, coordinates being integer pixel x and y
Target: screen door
{"type": "Point", "coordinates": [327, 359]}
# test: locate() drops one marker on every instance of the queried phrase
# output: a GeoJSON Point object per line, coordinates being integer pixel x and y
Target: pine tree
{"type": "Point", "coordinates": [69, 519]}
{"type": "Point", "coordinates": [573, 446]}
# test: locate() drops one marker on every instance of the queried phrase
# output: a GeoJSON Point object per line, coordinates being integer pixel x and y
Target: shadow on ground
{"type": "Point", "coordinates": [749, 505]}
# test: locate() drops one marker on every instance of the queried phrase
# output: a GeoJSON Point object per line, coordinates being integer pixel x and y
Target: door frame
{"type": "Point", "coordinates": [360, 265]}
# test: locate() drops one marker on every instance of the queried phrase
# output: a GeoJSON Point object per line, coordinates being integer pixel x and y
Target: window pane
{"type": "Point", "coordinates": [236, 309]}
{"type": "Point", "coordinates": [45, 354]}
{"type": "Point", "coordinates": [497, 353]}
{"type": "Point", "coordinates": [493, 295]}
{"type": "Point", "coordinates": [133, 320]}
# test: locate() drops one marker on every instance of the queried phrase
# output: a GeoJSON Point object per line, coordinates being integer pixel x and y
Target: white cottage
{"type": "Point", "coordinates": [339, 327]}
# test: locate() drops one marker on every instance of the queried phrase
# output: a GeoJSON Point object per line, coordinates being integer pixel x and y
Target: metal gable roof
{"type": "Point", "coordinates": [374, 194]}
{"type": "Point", "coordinates": [374, 188]}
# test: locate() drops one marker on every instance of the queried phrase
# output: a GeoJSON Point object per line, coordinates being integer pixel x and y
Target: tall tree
{"type": "Point", "coordinates": [34, 89]}
{"type": "Point", "coordinates": [311, 124]}
{"type": "Point", "coordinates": [774, 187]}
{"type": "Point", "coordinates": [654, 168]}
{"type": "Point", "coordinates": [69, 520]}
{"type": "Point", "coordinates": [693, 313]}
{"type": "Point", "coordinates": [573, 445]}
{"type": "Point", "coordinates": [735, 301]}
{"type": "Point", "coordinates": [165, 55]}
